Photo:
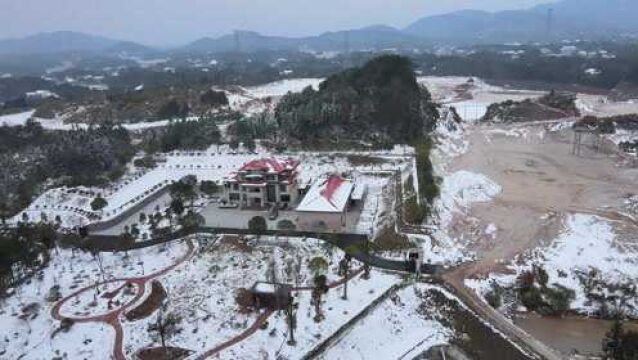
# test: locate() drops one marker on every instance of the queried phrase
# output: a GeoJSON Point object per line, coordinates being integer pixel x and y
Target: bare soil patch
{"type": "Point", "coordinates": [159, 353]}
{"type": "Point", "coordinates": [148, 306]}
{"type": "Point", "coordinates": [542, 182]}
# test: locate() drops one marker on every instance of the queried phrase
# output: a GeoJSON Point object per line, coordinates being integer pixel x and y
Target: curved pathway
{"type": "Point", "coordinates": [263, 317]}
{"type": "Point", "coordinates": [112, 318]}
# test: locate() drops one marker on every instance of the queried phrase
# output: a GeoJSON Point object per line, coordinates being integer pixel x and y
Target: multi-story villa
{"type": "Point", "coordinates": [262, 183]}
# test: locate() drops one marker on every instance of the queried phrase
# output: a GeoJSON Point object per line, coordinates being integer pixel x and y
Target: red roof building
{"type": "Point", "coordinates": [263, 182]}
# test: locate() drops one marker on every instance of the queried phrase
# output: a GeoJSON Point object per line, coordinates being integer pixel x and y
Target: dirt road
{"type": "Point", "coordinates": [455, 279]}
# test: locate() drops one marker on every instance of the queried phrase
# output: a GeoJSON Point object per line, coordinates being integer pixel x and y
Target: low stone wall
{"type": "Point", "coordinates": [103, 225]}
{"type": "Point", "coordinates": [343, 330]}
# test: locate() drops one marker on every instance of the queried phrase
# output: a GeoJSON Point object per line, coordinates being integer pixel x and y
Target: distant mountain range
{"type": "Point", "coordinates": [65, 42]}
{"type": "Point", "coordinates": [372, 37]}
{"type": "Point", "coordinates": [566, 19]}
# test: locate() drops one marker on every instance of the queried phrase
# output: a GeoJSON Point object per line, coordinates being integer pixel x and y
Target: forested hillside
{"type": "Point", "coordinates": [29, 156]}
{"type": "Point", "coordinates": [378, 103]}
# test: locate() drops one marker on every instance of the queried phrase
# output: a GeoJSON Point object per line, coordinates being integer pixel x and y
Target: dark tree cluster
{"type": "Point", "coordinates": [187, 135]}
{"type": "Point", "coordinates": [533, 67]}
{"type": "Point", "coordinates": [609, 125]}
{"type": "Point", "coordinates": [173, 109]}
{"type": "Point", "coordinates": [214, 98]}
{"type": "Point", "coordinates": [620, 344]}
{"type": "Point", "coordinates": [23, 249]}
{"type": "Point", "coordinates": [536, 294]}
{"type": "Point", "coordinates": [380, 102]}
{"type": "Point", "coordinates": [554, 105]}
{"type": "Point", "coordinates": [29, 156]}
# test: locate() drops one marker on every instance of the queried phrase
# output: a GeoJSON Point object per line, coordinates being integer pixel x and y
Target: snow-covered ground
{"type": "Point", "coordinates": [270, 343]}
{"type": "Point", "coordinates": [587, 243]}
{"type": "Point", "coordinates": [59, 124]}
{"type": "Point", "coordinates": [461, 189]}
{"type": "Point", "coordinates": [471, 96]}
{"type": "Point", "coordinates": [70, 272]}
{"type": "Point", "coordinates": [16, 119]}
{"type": "Point", "coordinates": [282, 87]}
{"type": "Point", "coordinates": [256, 99]}
{"type": "Point", "coordinates": [398, 328]}
{"type": "Point", "coordinates": [458, 189]}
{"type": "Point", "coordinates": [201, 290]}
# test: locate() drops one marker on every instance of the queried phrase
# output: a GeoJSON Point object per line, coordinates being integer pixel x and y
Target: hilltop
{"type": "Point", "coordinates": [380, 102]}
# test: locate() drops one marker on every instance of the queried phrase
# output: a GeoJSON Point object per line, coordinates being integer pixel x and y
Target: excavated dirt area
{"type": "Point", "coordinates": [541, 181]}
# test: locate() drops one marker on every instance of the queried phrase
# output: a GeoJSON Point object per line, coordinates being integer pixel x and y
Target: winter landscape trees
{"type": "Point", "coordinates": [380, 102]}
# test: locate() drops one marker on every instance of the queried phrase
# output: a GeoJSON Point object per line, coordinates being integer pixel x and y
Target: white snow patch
{"type": "Point", "coordinates": [395, 328]}
{"type": "Point", "coordinates": [588, 242]}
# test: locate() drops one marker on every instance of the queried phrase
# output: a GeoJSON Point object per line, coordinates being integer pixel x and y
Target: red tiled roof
{"type": "Point", "coordinates": [329, 194]}
{"type": "Point", "coordinates": [270, 165]}
{"type": "Point", "coordinates": [332, 184]}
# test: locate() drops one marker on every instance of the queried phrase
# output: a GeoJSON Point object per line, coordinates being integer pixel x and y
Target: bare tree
{"type": "Point", "coordinates": [165, 327]}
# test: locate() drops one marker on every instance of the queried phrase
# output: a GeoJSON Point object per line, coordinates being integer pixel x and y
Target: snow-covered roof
{"type": "Point", "coordinates": [359, 191]}
{"type": "Point", "coordinates": [263, 287]}
{"type": "Point", "coordinates": [270, 165]}
{"type": "Point", "coordinates": [328, 194]}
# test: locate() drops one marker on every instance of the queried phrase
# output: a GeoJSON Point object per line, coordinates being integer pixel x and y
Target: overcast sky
{"type": "Point", "coordinates": [169, 22]}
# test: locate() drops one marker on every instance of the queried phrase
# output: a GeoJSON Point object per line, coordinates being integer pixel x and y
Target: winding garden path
{"type": "Point", "coordinates": [113, 317]}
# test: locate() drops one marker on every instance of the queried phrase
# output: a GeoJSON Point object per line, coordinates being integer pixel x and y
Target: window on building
{"type": "Point", "coordinates": [236, 187]}
{"type": "Point", "coordinates": [283, 188]}
{"type": "Point", "coordinates": [285, 198]}
{"type": "Point", "coordinates": [233, 197]}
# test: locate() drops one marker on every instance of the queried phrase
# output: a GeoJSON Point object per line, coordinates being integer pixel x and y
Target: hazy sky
{"type": "Point", "coordinates": [167, 22]}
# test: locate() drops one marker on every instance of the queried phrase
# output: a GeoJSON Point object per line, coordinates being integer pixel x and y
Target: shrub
{"type": "Point", "coordinates": [413, 211]}
{"type": "Point", "coordinates": [318, 265]}
{"type": "Point", "coordinates": [286, 224]}
{"type": "Point", "coordinates": [531, 298]}
{"type": "Point", "coordinates": [495, 296]}
{"type": "Point", "coordinates": [245, 300]}
{"type": "Point", "coordinates": [388, 240]}
{"type": "Point", "coordinates": [209, 187]}
{"type": "Point", "coordinates": [620, 344]}
{"type": "Point", "coordinates": [66, 324]}
{"type": "Point", "coordinates": [98, 203]}
{"type": "Point", "coordinates": [146, 162]}
{"type": "Point", "coordinates": [558, 299]}
{"type": "Point", "coordinates": [257, 225]}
